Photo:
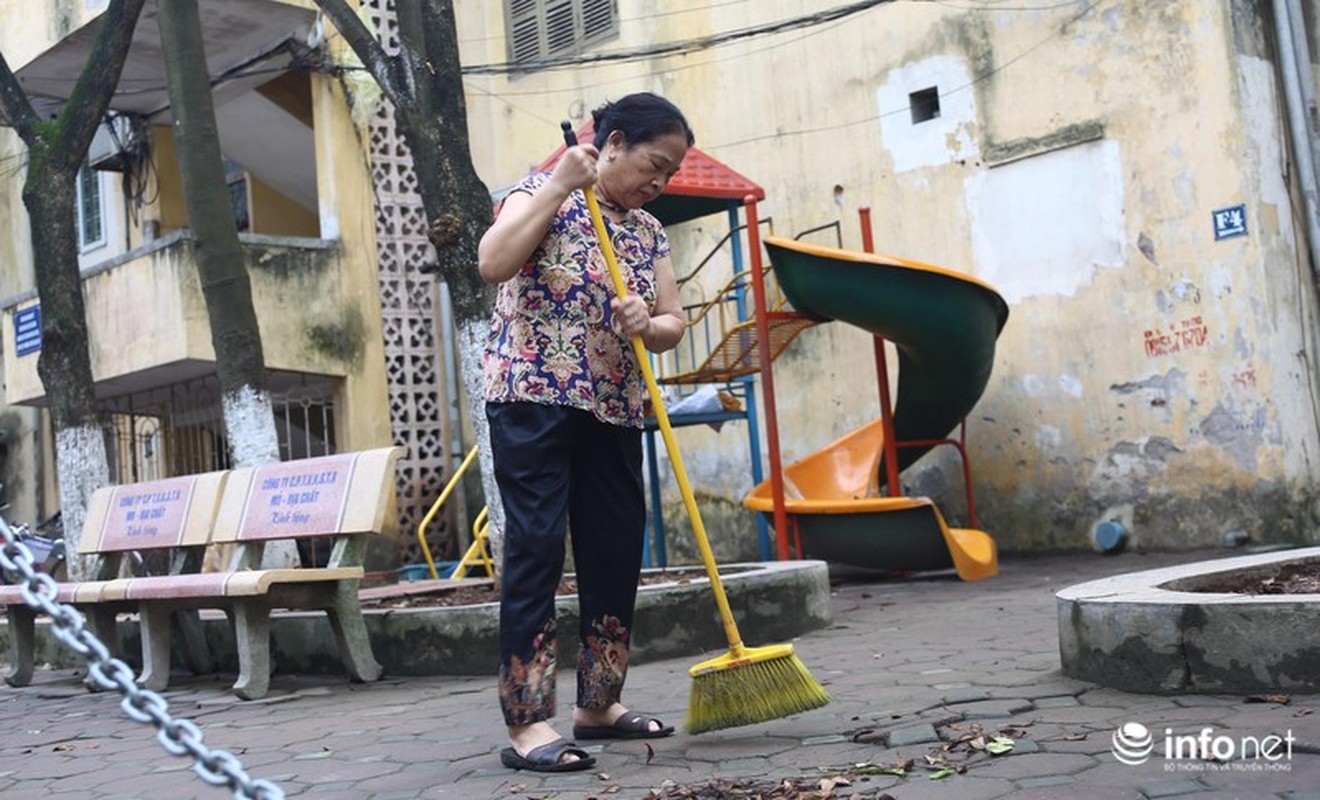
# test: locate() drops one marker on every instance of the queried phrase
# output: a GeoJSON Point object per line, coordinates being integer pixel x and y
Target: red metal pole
{"type": "Point", "coordinates": [882, 378]}
{"type": "Point", "coordinates": [767, 377]}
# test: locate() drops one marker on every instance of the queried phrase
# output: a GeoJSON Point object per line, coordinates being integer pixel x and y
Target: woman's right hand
{"type": "Point", "coordinates": [524, 219]}
{"type": "Point", "coordinates": [576, 169]}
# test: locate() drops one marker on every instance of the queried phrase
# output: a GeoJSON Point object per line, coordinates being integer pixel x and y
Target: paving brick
{"type": "Point", "coordinates": [914, 734]}
{"type": "Point", "coordinates": [1171, 788]}
{"type": "Point", "coordinates": [438, 737]}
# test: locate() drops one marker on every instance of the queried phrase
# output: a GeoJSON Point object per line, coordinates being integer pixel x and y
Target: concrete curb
{"type": "Point", "coordinates": [1152, 632]}
{"type": "Point", "coordinates": [772, 602]}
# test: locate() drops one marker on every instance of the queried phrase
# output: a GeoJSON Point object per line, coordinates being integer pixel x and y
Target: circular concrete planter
{"type": "Point", "coordinates": [1153, 632]}
{"type": "Point", "coordinates": [772, 602]}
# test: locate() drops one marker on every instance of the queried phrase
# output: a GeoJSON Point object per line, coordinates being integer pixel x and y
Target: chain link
{"type": "Point", "coordinates": [177, 736]}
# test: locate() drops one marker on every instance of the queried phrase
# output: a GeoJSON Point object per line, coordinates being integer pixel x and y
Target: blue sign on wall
{"type": "Point", "coordinates": [27, 330]}
{"type": "Point", "coordinates": [1230, 222]}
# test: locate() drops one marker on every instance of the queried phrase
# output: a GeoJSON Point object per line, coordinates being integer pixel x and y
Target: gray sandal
{"type": "Point", "coordinates": [546, 758]}
{"type": "Point", "coordinates": [628, 726]}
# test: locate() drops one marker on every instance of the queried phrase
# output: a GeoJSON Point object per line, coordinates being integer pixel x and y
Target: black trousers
{"type": "Point", "coordinates": [560, 467]}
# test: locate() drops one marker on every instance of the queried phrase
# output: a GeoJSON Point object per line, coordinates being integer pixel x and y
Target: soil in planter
{"type": "Point", "coordinates": [1300, 578]}
{"type": "Point", "coordinates": [476, 593]}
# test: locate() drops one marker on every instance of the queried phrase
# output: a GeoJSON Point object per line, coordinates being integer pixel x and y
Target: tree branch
{"type": "Point", "coordinates": [91, 95]}
{"type": "Point", "coordinates": [368, 49]}
{"type": "Point", "coordinates": [14, 102]}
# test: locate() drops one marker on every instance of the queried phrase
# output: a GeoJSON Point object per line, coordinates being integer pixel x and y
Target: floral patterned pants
{"type": "Point", "coordinates": [560, 468]}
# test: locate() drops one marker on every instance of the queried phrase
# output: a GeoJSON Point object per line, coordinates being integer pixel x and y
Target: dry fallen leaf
{"type": "Point", "coordinates": [1281, 699]}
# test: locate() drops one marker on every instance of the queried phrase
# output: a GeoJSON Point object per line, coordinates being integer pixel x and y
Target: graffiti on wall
{"type": "Point", "coordinates": [1188, 334]}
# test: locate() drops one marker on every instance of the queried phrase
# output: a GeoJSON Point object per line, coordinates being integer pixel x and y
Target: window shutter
{"type": "Point", "coordinates": [524, 22]}
{"type": "Point", "coordinates": [539, 29]}
{"type": "Point", "coordinates": [597, 18]}
{"type": "Point", "coordinates": [560, 33]}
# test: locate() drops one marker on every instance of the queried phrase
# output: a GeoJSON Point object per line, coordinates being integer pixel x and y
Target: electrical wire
{"type": "Point", "coordinates": [678, 47]}
{"type": "Point", "coordinates": [1090, 6]}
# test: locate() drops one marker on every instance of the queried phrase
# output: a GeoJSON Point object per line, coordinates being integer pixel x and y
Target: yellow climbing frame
{"type": "Point", "coordinates": [477, 554]}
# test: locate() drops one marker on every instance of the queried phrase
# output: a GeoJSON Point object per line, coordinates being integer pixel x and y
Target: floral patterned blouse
{"type": "Point", "coordinates": [550, 336]}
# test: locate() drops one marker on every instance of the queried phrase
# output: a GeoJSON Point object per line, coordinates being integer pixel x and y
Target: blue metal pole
{"type": "Point", "coordinates": [656, 529]}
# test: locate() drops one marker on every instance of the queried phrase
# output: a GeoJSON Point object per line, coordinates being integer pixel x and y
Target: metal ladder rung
{"type": "Point", "coordinates": [739, 353]}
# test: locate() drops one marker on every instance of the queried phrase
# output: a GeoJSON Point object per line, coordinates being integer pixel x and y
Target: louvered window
{"type": "Point", "coordinates": [540, 29]}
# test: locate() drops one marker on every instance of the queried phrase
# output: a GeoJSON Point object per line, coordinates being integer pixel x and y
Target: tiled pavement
{"type": "Point", "coordinates": [920, 670]}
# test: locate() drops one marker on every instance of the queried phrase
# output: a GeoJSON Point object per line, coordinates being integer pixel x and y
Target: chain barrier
{"type": "Point", "coordinates": [177, 736]}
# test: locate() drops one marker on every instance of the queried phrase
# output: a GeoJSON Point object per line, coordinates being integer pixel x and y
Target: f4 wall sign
{"type": "Point", "coordinates": [1230, 222]}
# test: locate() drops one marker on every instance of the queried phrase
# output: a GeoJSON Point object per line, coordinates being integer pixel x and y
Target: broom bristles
{"type": "Point", "coordinates": [751, 687]}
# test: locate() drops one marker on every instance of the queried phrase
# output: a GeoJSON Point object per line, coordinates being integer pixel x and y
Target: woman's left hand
{"type": "Point", "coordinates": [630, 315]}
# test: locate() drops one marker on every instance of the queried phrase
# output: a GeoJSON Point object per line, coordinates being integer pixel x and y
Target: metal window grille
{"type": "Point", "coordinates": [179, 429]}
{"type": "Point", "coordinates": [91, 231]}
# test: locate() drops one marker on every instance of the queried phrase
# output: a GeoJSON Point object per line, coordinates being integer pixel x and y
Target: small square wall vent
{"type": "Point", "coordinates": [925, 104]}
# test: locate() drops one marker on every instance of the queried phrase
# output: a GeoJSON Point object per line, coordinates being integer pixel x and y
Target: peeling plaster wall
{"type": "Point", "coordinates": [1169, 390]}
{"type": "Point", "coordinates": [1148, 373]}
{"type": "Point", "coordinates": [1045, 224]}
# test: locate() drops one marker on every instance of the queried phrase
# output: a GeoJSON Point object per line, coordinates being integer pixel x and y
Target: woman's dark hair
{"type": "Point", "coordinates": [640, 117]}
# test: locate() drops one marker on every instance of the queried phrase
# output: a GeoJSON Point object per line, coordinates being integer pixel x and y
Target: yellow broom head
{"type": "Point", "coordinates": [750, 685]}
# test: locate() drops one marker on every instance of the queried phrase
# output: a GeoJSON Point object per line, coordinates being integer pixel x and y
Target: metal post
{"type": "Point", "coordinates": [765, 362]}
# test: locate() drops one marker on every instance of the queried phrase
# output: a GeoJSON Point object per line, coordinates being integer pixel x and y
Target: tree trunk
{"type": "Point", "coordinates": [425, 84]}
{"type": "Point", "coordinates": [64, 365]}
{"type": "Point", "coordinates": [235, 335]}
{"type": "Point", "coordinates": [457, 204]}
{"type": "Point", "coordinates": [56, 150]}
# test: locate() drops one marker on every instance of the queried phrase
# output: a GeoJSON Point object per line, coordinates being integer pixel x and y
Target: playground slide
{"type": "Point", "coordinates": [944, 325]}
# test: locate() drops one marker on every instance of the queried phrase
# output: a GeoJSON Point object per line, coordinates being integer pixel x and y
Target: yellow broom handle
{"type": "Point", "coordinates": [662, 417]}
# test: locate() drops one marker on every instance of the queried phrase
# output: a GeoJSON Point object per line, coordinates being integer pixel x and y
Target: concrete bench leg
{"type": "Point", "coordinates": [188, 623]}
{"type": "Point", "coordinates": [154, 624]}
{"type": "Point", "coordinates": [351, 634]}
{"type": "Point", "coordinates": [252, 637]}
{"type": "Point", "coordinates": [101, 624]}
{"type": "Point", "coordinates": [22, 627]}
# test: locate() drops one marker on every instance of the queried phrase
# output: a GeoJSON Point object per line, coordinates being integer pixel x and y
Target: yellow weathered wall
{"type": "Point", "coordinates": [23, 36]}
{"type": "Point", "coordinates": [276, 215]}
{"type": "Point", "coordinates": [166, 204]}
{"type": "Point", "coordinates": [347, 201]}
{"type": "Point", "coordinates": [297, 292]}
{"type": "Point", "coordinates": [318, 307]}
{"type": "Point", "coordinates": [1075, 166]}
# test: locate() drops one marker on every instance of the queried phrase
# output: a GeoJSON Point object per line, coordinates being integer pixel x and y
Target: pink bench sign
{"type": "Point", "coordinates": [297, 498]}
{"type": "Point", "coordinates": [147, 515]}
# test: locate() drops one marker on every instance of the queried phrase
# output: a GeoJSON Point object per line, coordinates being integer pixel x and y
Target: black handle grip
{"type": "Point", "coordinates": [570, 138]}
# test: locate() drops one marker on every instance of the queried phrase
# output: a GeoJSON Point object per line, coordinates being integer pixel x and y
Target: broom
{"type": "Point", "coordinates": [747, 685]}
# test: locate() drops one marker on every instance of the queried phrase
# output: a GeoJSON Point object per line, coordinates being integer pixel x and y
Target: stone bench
{"type": "Point", "coordinates": [124, 522]}
{"type": "Point", "coordinates": [341, 499]}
